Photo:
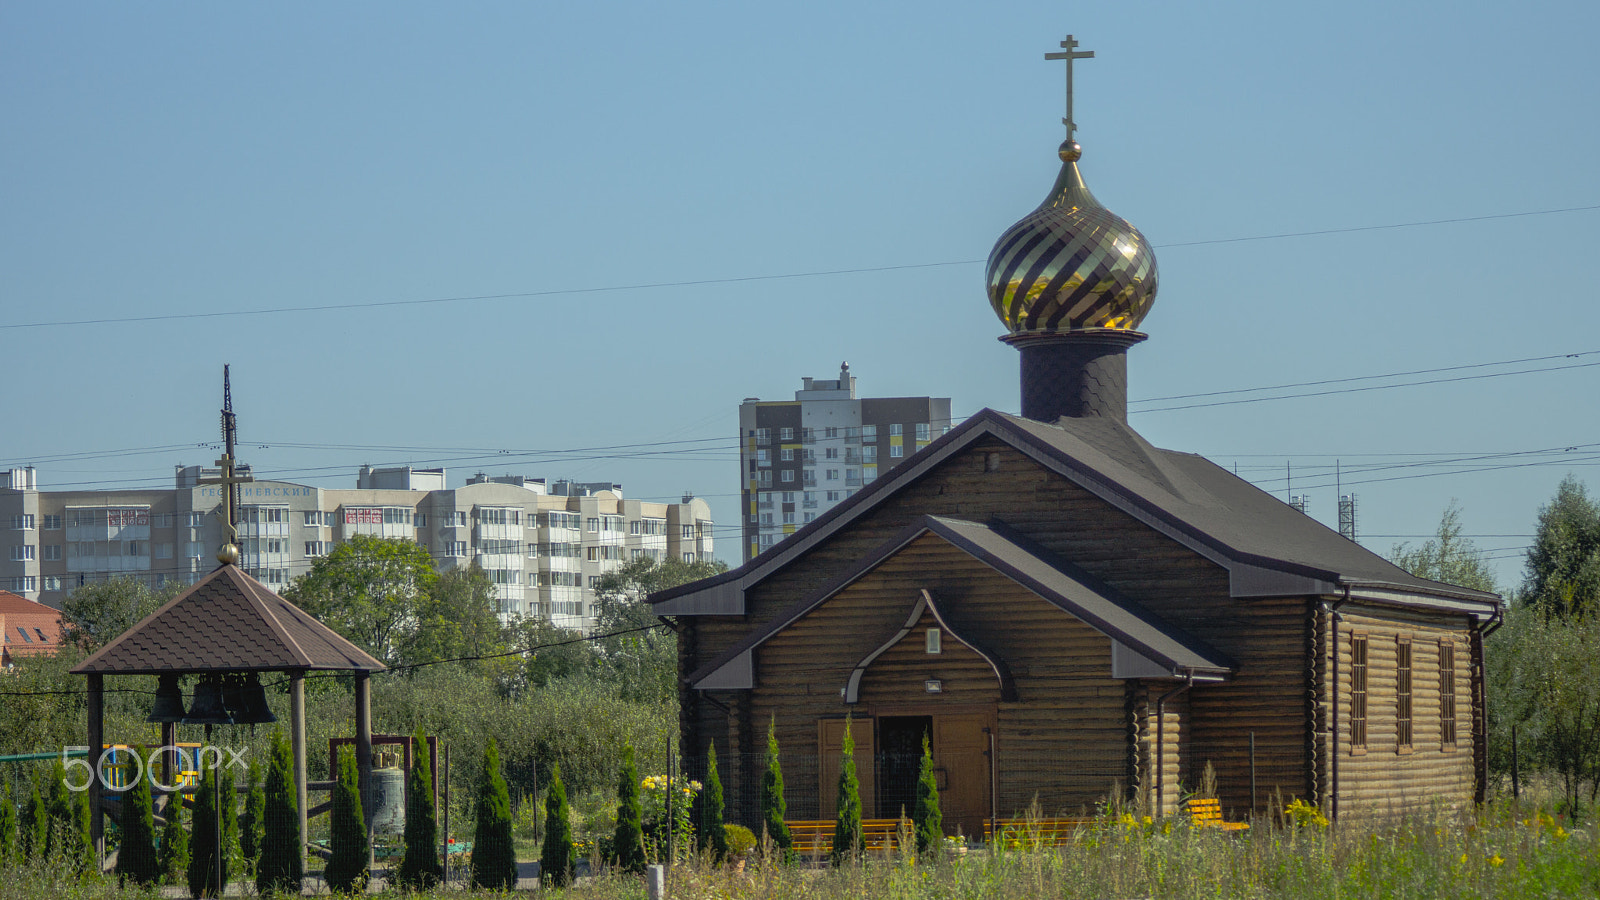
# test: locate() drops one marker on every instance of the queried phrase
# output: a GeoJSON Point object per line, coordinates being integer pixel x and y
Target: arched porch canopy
{"type": "Point", "coordinates": [228, 622]}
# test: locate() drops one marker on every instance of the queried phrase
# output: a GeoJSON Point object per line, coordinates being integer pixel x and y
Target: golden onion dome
{"type": "Point", "coordinates": [1071, 265]}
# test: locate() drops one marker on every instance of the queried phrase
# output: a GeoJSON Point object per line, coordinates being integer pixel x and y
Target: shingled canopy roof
{"type": "Point", "coordinates": [227, 622]}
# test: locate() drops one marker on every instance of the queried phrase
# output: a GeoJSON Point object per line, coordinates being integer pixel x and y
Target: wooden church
{"type": "Point", "coordinates": [1065, 611]}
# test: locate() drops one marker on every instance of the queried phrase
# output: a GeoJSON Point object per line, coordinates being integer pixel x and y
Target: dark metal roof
{"type": "Point", "coordinates": [1066, 586]}
{"type": "Point", "coordinates": [1268, 547]}
{"type": "Point", "coordinates": [227, 621]}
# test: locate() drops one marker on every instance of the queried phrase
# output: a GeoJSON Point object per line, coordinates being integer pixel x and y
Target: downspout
{"type": "Point", "coordinates": [1480, 702]}
{"type": "Point", "coordinates": [1161, 733]}
{"type": "Point", "coordinates": [1333, 614]}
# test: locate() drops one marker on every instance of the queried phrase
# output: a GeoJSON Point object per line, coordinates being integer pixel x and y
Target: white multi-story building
{"type": "Point", "coordinates": [544, 545]}
{"type": "Point", "coordinates": [800, 458]}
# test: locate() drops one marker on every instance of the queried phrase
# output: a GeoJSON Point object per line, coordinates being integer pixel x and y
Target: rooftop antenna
{"type": "Point", "coordinates": [228, 554]}
{"type": "Point", "coordinates": [1069, 54]}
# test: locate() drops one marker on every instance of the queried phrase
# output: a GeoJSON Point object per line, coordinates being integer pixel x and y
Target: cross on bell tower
{"type": "Point", "coordinates": [1069, 55]}
{"type": "Point", "coordinates": [228, 553]}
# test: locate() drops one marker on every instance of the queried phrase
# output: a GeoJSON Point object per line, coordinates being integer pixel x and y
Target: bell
{"type": "Point", "coordinates": [247, 700]}
{"type": "Point", "coordinates": [169, 701]}
{"type": "Point", "coordinates": [208, 707]}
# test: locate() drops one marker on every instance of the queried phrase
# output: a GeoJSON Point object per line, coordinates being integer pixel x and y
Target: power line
{"type": "Point", "coordinates": [703, 282]}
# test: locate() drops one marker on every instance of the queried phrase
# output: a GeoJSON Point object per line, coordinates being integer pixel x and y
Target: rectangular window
{"type": "Point", "coordinates": [763, 435]}
{"type": "Point", "coordinates": [52, 552]}
{"type": "Point", "coordinates": [1447, 694]}
{"type": "Point", "coordinates": [788, 475]}
{"type": "Point", "coordinates": [1402, 692]}
{"type": "Point", "coordinates": [765, 479]}
{"type": "Point", "coordinates": [52, 582]}
{"type": "Point", "coordinates": [533, 551]}
{"type": "Point", "coordinates": [897, 450]}
{"type": "Point", "coordinates": [23, 522]}
{"type": "Point", "coordinates": [897, 429]}
{"type": "Point", "coordinates": [809, 517]}
{"type": "Point", "coordinates": [1358, 692]}
{"type": "Point", "coordinates": [594, 525]}
{"type": "Point", "coordinates": [788, 496]}
{"type": "Point", "coordinates": [830, 431]}
{"type": "Point", "coordinates": [833, 474]}
{"type": "Point", "coordinates": [869, 454]}
{"type": "Point", "coordinates": [164, 550]}
{"type": "Point", "coordinates": [312, 518]}
{"type": "Point", "coordinates": [24, 584]}
{"type": "Point", "coordinates": [869, 432]}
{"type": "Point", "coordinates": [763, 457]}
{"type": "Point", "coordinates": [52, 523]}
{"type": "Point", "coordinates": [688, 532]}
{"type": "Point", "coordinates": [833, 496]}
{"type": "Point", "coordinates": [831, 453]}
{"type": "Point", "coordinates": [787, 454]}
{"type": "Point", "coordinates": [788, 518]}
{"type": "Point", "coordinates": [786, 434]}
{"type": "Point", "coordinates": [21, 552]}
{"type": "Point", "coordinates": [922, 431]}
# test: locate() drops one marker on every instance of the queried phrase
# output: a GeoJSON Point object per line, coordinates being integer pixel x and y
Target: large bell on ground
{"type": "Point", "coordinates": [169, 701]}
{"type": "Point", "coordinates": [208, 707]}
{"type": "Point", "coordinates": [246, 700]}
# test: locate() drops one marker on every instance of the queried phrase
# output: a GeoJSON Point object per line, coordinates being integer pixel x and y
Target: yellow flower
{"type": "Point", "coordinates": [1496, 861]}
{"type": "Point", "coordinates": [1463, 857]}
{"type": "Point", "coordinates": [1147, 820]}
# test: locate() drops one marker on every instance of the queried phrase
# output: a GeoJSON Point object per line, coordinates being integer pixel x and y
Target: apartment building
{"type": "Point", "coordinates": [799, 458]}
{"type": "Point", "coordinates": [545, 545]}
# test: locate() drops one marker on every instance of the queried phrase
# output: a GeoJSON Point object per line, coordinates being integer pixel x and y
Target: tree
{"type": "Point", "coordinates": [925, 814]}
{"type": "Point", "coordinates": [100, 611]}
{"type": "Point", "coordinates": [628, 839]}
{"type": "Point", "coordinates": [555, 857]}
{"type": "Point", "coordinates": [281, 866]}
{"type": "Point", "coordinates": [458, 617]}
{"type": "Point", "coordinates": [773, 807]}
{"type": "Point", "coordinates": [494, 856]}
{"type": "Point", "coordinates": [347, 832]}
{"type": "Point", "coordinates": [1562, 573]}
{"type": "Point", "coordinates": [847, 839]}
{"type": "Point", "coordinates": [708, 832]}
{"type": "Point", "coordinates": [35, 837]}
{"type": "Point", "coordinates": [172, 860]}
{"type": "Point", "coordinates": [88, 858]}
{"type": "Point", "coordinates": [371, 590]}
{"type": "Point", "coordinates": [1447, 556]}
{"type": "Point", "coordinates": [555, 653]}
{"type": "Point", "coordinates": [1544, 678]}
{"type": "Point", "coordinates": [643, 657]}
{"type": "Point", "coordinates": [136, 856]}
{"type": "Point", "coordinates": [215, 796]}
{"type": "Point", "coordinates": [255, 804]}
{"type": "Point", "coordinates": [8, 833]}
{"type": "Point", "coordinates": [65, 839]}
{"type": "Point", "coordinates": [420, 869]}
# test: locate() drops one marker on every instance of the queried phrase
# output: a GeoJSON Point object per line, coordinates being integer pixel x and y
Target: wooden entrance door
{"type": "Point", "coordinates": [961, 761]}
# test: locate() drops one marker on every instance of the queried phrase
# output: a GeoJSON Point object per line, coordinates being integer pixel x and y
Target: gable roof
{"type": "Point", "coordinates": [1060, 583]}
{"type": "Point", "coordinates": [227, 622]}
{"type": "Point", "coordinates": [1268, 547]}
{"type": "Point", "coordinates": [27, 627]}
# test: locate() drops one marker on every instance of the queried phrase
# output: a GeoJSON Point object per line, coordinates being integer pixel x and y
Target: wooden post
{"type": "Point", "coordinates": [364, 753]}
{"type": "Point", "coordinates": [96, 716]}
{"type": "Point", "coordinates": [297, 729]}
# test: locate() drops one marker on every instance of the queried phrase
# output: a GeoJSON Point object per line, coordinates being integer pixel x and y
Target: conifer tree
{"type": "Point", "coordinates": [926, 815]}
{"type": "Point", "coordinates": [555, 858]}
{"type": "Point", "coordinates": [347, 831]}
{"type": "Point", "coordinates": [708, 831]}
{"type": "Point", "coordinates": [773, 807]}
{"type": "Point", "coordinates": [172, 860]}
{"type": "Point", "coordinates": [629, 836]}
{"type": "Point", "coordinates": [847, 821]}
{"type": "Point", "coordinates": [63, 839]}
{"type": "Point", "coordinates": [203, 843]}
{"type": "Point", "coordinates": [494, 856]}
{"type": "Point", "coordinates": [88, 855]}
{"type": "Point", "coordinates": [136, 856]}
{"type": "Point", "coordinates": [8, 832]}
{"type": "Point", "coordinates": [281, 866]}
{"type": "Point", "coordinates": [35, 836]}
{"type": "Point", "coordinates": [255, 804]}
{"type": "Point", "coordinates": [420, 869]}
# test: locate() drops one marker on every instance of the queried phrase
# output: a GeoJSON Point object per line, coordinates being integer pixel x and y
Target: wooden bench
{"type": "Point", "coordinates": [1032, 833]}
{"type": "Point", "coordinates": [1207, 813]}
{"type": "Point", "coordinates": [814, 837]}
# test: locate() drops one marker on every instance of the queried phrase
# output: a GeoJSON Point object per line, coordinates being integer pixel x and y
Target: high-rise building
{"type": "Point", "coordinates": [799, 458]}
{"type": "Point", "coordinates": [543, 544]}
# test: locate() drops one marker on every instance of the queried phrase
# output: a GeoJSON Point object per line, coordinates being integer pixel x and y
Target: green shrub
{"type": "Point", "coordinates": [773, 807]}
{"type": "Point", "coordinates": [281, 866]}
{"type": "Point", "coordinates": [35, 834]}
{"type": "Point", "coordinates": [8, 833]}
{"type": "Point", "coordinates": [555, 858]}
{"type": "Point", "coordinates": [709, 833]}
{"type": "Point", "coordinates": [136, 856]}
{"type": "Point", "coordinates": [494, 857]}
{"type": "Point", "coordinates": [741, 840]}
{"type": "Point", "coordinates": [628, 840]}
{"type": "Point", "coordinates": [928, 819]}
{"type": "Point", "coordinates": [847, 821]}
{"type": "Point", "coordinates": [255, 804]}
{"type": "Point", "coordinates": [172, 860]}
{"type": "Point", "coordinates": [420, 869]}
{"type": "Point", "coordinates": [347, 867]}
{"type": "Point", "coordinates": [216, 792]}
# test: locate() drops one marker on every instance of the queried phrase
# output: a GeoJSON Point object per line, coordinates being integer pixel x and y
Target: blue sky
{"type": "Point", "coordinates": [185, 160]}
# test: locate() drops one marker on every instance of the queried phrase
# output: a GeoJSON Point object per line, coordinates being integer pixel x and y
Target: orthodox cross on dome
{"type": "Point", "coordinates": [227, 479]}
{"type": "Point", "coordinates": [1069, 55]}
